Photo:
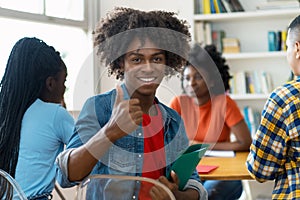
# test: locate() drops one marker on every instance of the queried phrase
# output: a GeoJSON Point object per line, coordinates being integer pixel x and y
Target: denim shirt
{"type": "Point", "coordinates": [125, 156]}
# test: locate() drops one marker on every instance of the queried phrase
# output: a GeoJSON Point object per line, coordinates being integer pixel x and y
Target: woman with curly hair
{"type": "Point", "coordinates": [209, 114]}
{"type": "Point", "coordinates": [128, 131]}
{"type": "Point", "coordinates": [34, 126]}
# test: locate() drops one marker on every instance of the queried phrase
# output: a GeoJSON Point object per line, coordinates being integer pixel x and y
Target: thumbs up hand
{"type": "Point", "coordinates": [126, 115]}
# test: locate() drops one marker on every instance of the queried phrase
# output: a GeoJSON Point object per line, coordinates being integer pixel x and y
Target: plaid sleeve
{"type": "Point", "coordinates": [267, 151]}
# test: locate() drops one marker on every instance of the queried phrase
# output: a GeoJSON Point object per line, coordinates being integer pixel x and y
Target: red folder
{"type": "Point", "coordinates": [205, 169]}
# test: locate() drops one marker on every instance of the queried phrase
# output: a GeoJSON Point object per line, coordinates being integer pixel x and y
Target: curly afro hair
{"type": "Point", "coordinates": [114, 34]}
{"type": "Point", "coordinates": [220, 63]}
{"type": "Point", "coordinates": [215, 66]}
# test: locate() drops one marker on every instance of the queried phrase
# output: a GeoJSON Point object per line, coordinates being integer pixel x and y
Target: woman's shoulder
{"type": "Point", "coordinates": [182, 98]}
{"type": "Point", "coordinates": [224, 97]}
{"type": "Point", "coordinates": [180, 101]}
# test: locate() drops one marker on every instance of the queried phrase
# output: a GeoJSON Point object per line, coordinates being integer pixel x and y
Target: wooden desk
{"type": "Point", "coordinates": [233, 168]}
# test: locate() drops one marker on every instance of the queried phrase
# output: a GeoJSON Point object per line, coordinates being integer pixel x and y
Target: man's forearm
{"type": "Point", "coordinates": [83, 159]}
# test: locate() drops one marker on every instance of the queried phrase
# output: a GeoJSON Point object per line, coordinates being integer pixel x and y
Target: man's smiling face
{"type": "Point", "coordinates": [144, 67]}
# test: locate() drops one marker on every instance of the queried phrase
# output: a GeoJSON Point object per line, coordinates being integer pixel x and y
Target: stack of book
{"type": "Point", "coordinates": [231, 45]}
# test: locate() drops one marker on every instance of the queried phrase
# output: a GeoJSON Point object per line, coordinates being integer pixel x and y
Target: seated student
{"type": "Point", "coordinates": [34, 126]}
{"type": "Point", "coordinates": [209, 114]}
{"type": "Point", "coordinates": [275, 150]}
{"type": "Point", "coordinates": [127, 131]}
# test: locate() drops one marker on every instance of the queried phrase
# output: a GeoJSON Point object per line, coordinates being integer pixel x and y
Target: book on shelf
{"type": "Point", "coordinates": [187, 162]}
{"type": "Point", "coordinates": [217, 37]}
{"type": "Point", "coordinates": [235, 5]}
{"type": "Point", "coordinates": [232, 84]}
{"type": "Point", "coordinates": [229, 49]}
{"type": "Point", "coordinates": [256, 81]}
{"type": "Point", "coordinates": [245, 112]}
{"type": "Point", "coordinates": [228, 7]}
{"type": "Point", "coordinates": [266, 82]}
{"type": "Point", "coordinates": [251, 82]}
{"type": "Point", "coordinates": [240, 80]}
{"type": "Point", "coordinates": [279, 4]}
{"type": "Point", "coordinates": [250, 88]}
{"type": "Point", "coordinates": [212, 7]}
{"type": "Point", "coordinates": [252, 119]}
{"type": "Point", "coordinates": [203, 33]}
{"type": "Point", "coordinates": [271, 40]}
{"type": "Point", "coordinates": [217, 6]}
{"type": "Point", "coordinates": [198, 9]}
{"type": "Point", "coordinates": [283, 40]}
{"type": "Point", "coordinates": [278, 41]}
{"type": "Point", "coordinates": [208, 31]}
{"type": "Point", "coordinates": [220, 6]}
{"type": "Point", "coordinates": [206, 7]}
{"type": "Point", "coordinates": [199, 32]}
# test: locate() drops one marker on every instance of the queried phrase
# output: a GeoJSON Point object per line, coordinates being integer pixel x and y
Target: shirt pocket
{"type": "Point", "coordinates": [122, 156]}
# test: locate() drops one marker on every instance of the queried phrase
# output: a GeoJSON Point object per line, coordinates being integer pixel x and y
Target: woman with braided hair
{"type": "Point", "coordinates": [34, 127]}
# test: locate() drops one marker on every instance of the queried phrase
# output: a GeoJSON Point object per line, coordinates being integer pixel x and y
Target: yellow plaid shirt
{"type": "Point", "coordinates": [275, 150]}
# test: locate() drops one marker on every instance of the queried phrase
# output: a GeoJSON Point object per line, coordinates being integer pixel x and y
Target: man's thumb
{"type": "Point", "coordinates": [119, 95]}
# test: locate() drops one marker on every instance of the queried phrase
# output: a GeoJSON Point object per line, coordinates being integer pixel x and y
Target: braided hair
{"type": "Point", "coordinates": [30, 62]}
{"type": "Point", "coordinates": [164, 29]}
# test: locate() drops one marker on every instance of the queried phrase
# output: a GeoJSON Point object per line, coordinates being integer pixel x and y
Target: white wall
{"type": "Point", "coordinates": [184, 8]}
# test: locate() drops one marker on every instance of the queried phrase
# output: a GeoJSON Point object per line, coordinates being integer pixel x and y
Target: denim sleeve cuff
{"type": "Point", "coordinates": [196, 185]}
{"type": "Point", "coordinates": [62, 163]}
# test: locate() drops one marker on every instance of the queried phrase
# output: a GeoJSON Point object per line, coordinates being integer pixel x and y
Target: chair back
{"type": "Point", "coordinates": [119, 187]}
{"type": "Point", "coordinates": [9, 188]}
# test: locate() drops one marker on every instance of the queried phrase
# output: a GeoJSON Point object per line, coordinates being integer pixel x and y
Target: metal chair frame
{"type": "Point", "coordinates": [10, 186]}
{"type": "Point", "coordinates": [123, 177]}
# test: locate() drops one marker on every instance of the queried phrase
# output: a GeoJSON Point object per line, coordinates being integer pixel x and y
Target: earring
{"type": "Point", "coordinates": [297, 56]}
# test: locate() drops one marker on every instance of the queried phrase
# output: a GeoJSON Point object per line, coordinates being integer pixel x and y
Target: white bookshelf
{"type": "Point", "coordinates": [255, 55]}
{"type": "Point", "coordinates": [242, 16]}
{"type": "Point", "coordinates": [249, 97]}
{"type": "Point", "coordinates": [251, 28]}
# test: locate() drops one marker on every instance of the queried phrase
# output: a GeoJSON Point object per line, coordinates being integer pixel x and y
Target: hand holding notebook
{"type": "Point", "coordinates": [186, 163]}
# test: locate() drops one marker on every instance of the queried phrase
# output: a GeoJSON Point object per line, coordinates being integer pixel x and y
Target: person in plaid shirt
{"type": "Point", "coordinates": [275, 150]}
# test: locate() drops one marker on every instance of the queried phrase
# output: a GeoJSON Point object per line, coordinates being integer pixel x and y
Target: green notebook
{"type": "Point", "coordinates": [186, 163]}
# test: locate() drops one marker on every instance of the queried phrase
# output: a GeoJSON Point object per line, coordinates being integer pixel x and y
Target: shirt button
{"type": "Point", "coordinates": [140, 134]}
{"type": "Point", "coordinates": [140, 155]}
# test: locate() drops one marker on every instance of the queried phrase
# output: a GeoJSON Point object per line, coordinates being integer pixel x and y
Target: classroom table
{"type": "Point", "coordinates": [229, 168]}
